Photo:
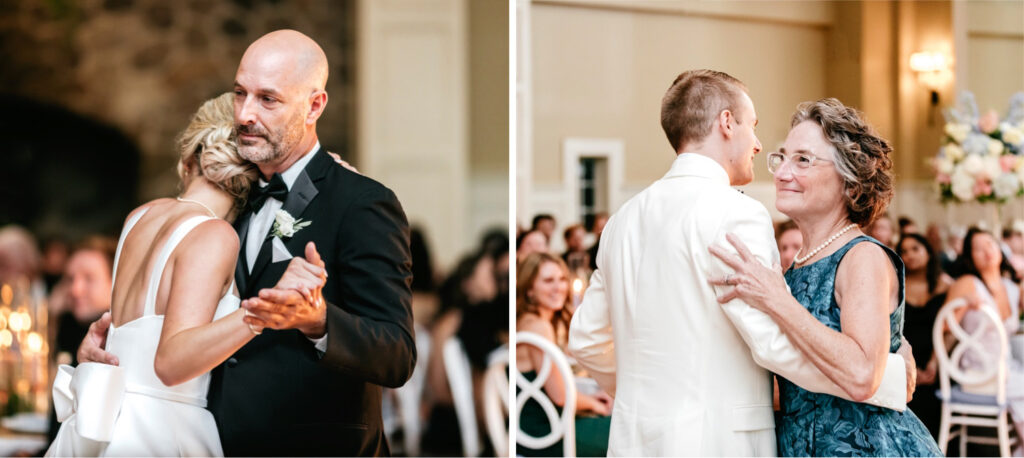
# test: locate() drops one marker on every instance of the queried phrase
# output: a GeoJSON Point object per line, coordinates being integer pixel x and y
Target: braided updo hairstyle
{"type": "Point", "coordinates": [861, 156]}
{"type": "Point", "coordinates": [209, 143]}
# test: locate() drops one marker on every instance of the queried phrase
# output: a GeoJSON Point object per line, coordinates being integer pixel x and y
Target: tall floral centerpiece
{"type": "Point", "coordinates": [982, 157]}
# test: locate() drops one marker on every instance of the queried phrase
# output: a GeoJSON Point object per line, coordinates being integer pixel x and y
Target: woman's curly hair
{"type": "Point", "coordinates": [862, 157]}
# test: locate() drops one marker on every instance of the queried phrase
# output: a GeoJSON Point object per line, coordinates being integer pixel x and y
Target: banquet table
{"type": "Point", "coordinates": [23, 434]}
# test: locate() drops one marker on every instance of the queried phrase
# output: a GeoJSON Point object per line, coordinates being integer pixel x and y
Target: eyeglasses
{"type": "Point", "coordinates": [801, 162]}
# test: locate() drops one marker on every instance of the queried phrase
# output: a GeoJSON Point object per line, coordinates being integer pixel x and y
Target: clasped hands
{"type": "Point", "coordinates": [296, 301]}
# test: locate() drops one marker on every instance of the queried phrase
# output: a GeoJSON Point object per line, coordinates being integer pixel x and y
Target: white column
{"type": "Point", "coordinates": [412, 104]}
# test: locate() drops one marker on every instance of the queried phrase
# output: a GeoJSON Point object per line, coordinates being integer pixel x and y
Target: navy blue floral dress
{"type": "Point", "coordinates": [815, 424]}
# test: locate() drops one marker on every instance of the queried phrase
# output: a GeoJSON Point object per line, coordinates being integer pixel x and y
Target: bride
{"type": "Point", "coordinates": [174, 313]}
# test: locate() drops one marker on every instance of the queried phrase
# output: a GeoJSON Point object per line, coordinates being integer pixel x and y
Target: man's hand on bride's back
{"type": "Point", "coordinates": [91, 350]}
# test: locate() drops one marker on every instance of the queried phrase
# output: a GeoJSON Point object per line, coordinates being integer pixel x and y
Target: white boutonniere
{"type": "Point", "coordinates": [285, 225]}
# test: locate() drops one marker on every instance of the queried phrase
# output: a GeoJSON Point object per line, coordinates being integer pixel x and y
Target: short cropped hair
{"type": "Point", "coordinates": [693, 103]}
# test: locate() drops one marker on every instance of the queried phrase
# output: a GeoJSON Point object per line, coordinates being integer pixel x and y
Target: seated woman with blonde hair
{"type": "Point", "coordinates": [542, 291]}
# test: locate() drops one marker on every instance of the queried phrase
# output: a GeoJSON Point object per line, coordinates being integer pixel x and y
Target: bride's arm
{"type": "Point", "coordinates": [191, 343]}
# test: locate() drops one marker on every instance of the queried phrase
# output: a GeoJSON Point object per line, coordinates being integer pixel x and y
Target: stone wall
{"type": "Point", "coordinates": [143, 66]}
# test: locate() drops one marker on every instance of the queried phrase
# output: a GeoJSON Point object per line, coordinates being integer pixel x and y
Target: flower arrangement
{"type": "Point", "coordinates": [982, 158]}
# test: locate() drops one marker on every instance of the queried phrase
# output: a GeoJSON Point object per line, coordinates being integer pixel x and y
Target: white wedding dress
{"type": "Point", "coordinates": [125, 410]}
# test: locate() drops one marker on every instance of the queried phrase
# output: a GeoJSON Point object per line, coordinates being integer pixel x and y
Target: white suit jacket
{"type": "Point", "coordinates": [690, 376]}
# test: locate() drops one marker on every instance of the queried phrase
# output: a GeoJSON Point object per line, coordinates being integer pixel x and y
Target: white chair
{"type": "Point", "coordinates": [460, 381]}
{"type": "Point", "coordinates": [496, 400]}
{"type": "Point", "coordinates": [408, 398]}
{"type": "Point", "coordinates": [966, 408]}
{"type": "Point", "coordinates": [562, 427]}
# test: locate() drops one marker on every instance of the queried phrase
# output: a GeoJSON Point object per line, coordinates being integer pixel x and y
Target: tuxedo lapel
{"type": "Point", "coordinates": [299, 196]}
{"type": "Point", "coordinates": [242, 228]}
{"type": "Point", "coordinates": [262, 259]}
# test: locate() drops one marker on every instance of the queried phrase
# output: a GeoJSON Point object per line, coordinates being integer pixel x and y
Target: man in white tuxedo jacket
{"type": "Point", "coordinates": [691, 376]}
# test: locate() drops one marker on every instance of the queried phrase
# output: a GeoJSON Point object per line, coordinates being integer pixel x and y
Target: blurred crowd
{"type": "Point", "coordinates": [72, 280]}
{"type": "Point", "coordinates": [942, 264]}
{"type": "Point", "coordinates": [549, 287]}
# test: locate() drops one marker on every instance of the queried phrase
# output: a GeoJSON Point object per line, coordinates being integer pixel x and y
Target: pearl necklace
{"type": "Point", "coordinates": [200, 203]}
{"type": "Point", "coordinates": [835, 236]}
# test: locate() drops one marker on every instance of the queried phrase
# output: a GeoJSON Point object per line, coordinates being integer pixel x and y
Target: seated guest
{"type": "Point", "coordinates": [84, 292]}
{"type": "Point", "coordinates": [907, 226]}
{"type": "Point", "coordinates": [575, 255]}
{"type": "Point", "coordinates": [789, 239]}
{"type": "Point", "coordinates": [546, 224]}
{"type": "Point", "coordinates": [530, 242]}
{"type": "Point", "coordinates": [542, 291]}
{"type": "Point", "coordinates": [1013, 237]}
{"type": "Point", "coordinates": [881, 229]}
{"type": "Point", "coordinates": [926, 286]}
{"type": "Point", "coordinates": [986, 281]}
{"type": "Point", "coordinates": [600, 219]}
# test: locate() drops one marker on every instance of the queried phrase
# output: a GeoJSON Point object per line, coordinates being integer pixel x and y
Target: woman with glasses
{"type": "Point", "coordinates": [833, 176]}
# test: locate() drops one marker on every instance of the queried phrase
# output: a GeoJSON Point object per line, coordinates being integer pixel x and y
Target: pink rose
{"type": "Point", "coordinates": [943, 178]}
{"type": "Point", "coordinates": [1007, 162]}
{"type": "Point", "coordinates": [988, 121]}
{"type": "Point", "coordinates": [982, 187]}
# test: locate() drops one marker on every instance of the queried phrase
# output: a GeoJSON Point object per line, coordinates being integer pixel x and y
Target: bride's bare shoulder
{"type": "Point", "coordinates": [147, 206]}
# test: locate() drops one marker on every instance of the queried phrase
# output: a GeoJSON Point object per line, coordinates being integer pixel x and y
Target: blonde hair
{"type": "Point", "coordinates": [209, 143]}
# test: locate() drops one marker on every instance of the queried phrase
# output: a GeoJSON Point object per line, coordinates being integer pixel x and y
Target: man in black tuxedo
{"type": "Point", "coordinates": [310, 384]}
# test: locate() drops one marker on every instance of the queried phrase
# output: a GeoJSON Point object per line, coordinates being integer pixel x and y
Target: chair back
{"type": "Point", "coordinates": [460, 381]}
{"type": "Point", "coordinates": [563, 427]}
{"type": "Point", "coordinates": [992, 371]}
{"type": "Point", "coordinates": [409, 397]}
{"type": "Point", "coordinates": [496, 400]}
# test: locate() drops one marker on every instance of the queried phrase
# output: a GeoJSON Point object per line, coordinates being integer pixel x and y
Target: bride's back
{"type": "Point", "coordinates": [138, 254]}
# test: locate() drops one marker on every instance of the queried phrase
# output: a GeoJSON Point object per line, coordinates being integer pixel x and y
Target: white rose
{"type": "Point", "coordinates": [1013, 136]}
{"type": "Point", "coordinates": [957, 131]}
{"type": "Point", "coordinates": [992, 167]}
{"type": "Point", "coordinates": [962, 185]}
{"type": "Point", "coordinates": [954, 152]}
{"type": "Point", "coordinates": [944, 165]}
{"type": "Point", "coordinates": [285, 223]}
{"type": "Point", "coordinates": [973, 165]}
{"type": "Point", "coordinates": [995, 147]}
{"type": "Point", "coordinates": [1006, 185]}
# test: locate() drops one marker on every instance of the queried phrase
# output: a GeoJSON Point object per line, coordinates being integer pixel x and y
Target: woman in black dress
{"type": "Point", "coordinates": [925, 293]}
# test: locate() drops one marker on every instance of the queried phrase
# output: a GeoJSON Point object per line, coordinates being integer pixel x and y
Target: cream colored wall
{"type": "Point", "coordinates": [488, 115]}
{"type": "Point", "coordinates": [600, 72]}
{"type": "Point", "coordinates": [995, 52]}
{"type": "Point", "coordinates": [412, 113]}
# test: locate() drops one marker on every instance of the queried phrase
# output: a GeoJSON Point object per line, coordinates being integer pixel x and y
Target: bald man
{"type": "Point", "coordinates": [310, 384]}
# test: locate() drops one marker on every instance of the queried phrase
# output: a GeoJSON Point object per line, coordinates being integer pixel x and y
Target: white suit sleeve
{"type": "Point", "coordinates": [591, 340]}
{"type": "Point", "coordinates": [769, 346]}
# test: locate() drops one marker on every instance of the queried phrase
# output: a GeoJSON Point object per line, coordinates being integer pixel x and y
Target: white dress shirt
{"type": "Point", "coordinates": [261, 222]}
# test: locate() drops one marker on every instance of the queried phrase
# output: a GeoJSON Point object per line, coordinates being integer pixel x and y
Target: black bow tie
{"type": "Point", "coordinates": [276, 189]}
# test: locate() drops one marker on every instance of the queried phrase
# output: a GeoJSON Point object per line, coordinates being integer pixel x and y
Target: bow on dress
{"type": "Point", "coordinates": [92, 393]}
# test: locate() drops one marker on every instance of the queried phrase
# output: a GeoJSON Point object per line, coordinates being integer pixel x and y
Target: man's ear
{"type": "Point", "coordinates": [318, 101]}
{"type": "Point", "coordinates": [725, 123]}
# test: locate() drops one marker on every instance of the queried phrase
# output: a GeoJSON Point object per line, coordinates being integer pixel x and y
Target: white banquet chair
{"type": "Point", "coordinates": [495, 399]}
{"type": "Point", "coordinates": [970, 409]}
{"type": "Point", "coordinates": [563, 427]}
{"type": "Point", "coordinates": [460, 381]}
{"type": "Point", "coordinates": [409, 397]}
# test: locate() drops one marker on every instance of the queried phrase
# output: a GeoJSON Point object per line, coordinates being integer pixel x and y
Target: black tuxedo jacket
{"type": "Point", "coordinates": [277, 395]}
